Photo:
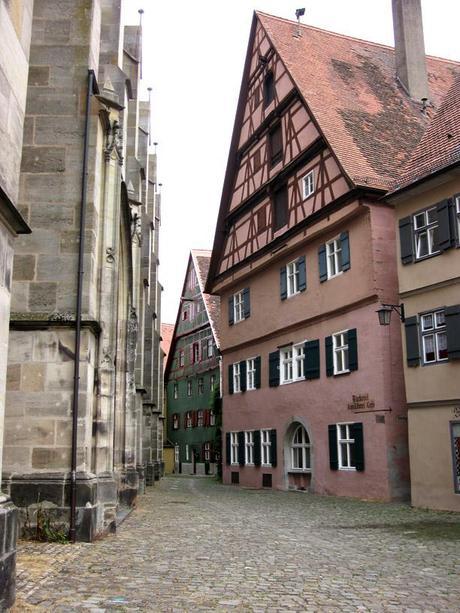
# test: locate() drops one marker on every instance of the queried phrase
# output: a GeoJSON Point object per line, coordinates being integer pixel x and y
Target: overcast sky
{"type": "Point", "coordinates": [193, 59]}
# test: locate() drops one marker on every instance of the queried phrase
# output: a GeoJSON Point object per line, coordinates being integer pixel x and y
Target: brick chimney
{"type": "Point", "coordinates": [410, 48]}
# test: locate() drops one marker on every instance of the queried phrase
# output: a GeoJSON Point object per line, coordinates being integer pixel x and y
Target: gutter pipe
{"type": "Point", "coordinates": [92, 88]}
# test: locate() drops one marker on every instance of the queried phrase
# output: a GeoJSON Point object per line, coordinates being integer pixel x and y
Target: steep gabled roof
{"type": "Point", "coordinates": [439, 147]}
{"type": "Point", "coordinates": [202, 259]}
{"type": "Point", "coordinates": [350, 87]}
{"type": "Point", "coordinates": [167, 331]}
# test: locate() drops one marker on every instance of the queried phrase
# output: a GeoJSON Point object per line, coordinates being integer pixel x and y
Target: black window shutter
{"type": "Point", "coordinates": [257, 377]}
{"type": "Point", "coordinates": [356, 432]}
{"type": "Point", "coordinates": [230, 311]}
{"type": "Point", "coordinates": [227, 448]}
{"type": "Point", "coordinates": [412, 344]}
{"type": "Point", "coordinates": [257, 454]}
{"type": "Point", "coordinates": [302, 273]}
{"type": "Point", "coordinates": [322, 263]}
{"type": "Point", "coordinates": [230, 378]}
{"type": "Point", "coordinates": [241, 448]}
{"type": "Point", "coordinates": [280, 207]}
{"type": "Point", "coordinates": [273, 450]}
{"type": "Point", "coordinates": [452, 314]}
{"type": "Point", "coordinates": [246, 303]}
{"type": "Point", "coordinates": [406, 240]}
{"type": "Point", "coordinates": [243, 385]}
{"type": "Point", "coordinates": [333, 451]}
{"type": "Point", "coordinates": [352, 349]}
{"type": "Point", "coordinates": [329, 356]}
{"type": "Point", "coordinates": [345, 243]}
{"type": "Point", "coordinates": [274, 369]}
{"type": "Point", "coordinates": [446, 224]}
{"type": "Point", "coordinates": [283, 283]}
{"type": "Point", "coordinates": [311, 360]}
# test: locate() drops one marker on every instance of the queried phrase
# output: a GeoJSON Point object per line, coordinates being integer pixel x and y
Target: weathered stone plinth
{"type": "Point", "coordinates": [8, 537]}
{"type": "Point", "coordinates": [128, 488]}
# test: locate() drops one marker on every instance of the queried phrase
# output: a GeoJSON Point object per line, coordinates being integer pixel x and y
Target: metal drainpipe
{"type": "Point", "coordinates": [81, 253]}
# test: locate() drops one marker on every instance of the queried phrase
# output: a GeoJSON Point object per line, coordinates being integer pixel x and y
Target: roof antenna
{"type": "Point", "coordinates": [299, 13]}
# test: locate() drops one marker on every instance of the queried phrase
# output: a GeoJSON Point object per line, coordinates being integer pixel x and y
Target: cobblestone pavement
{"type": "Point", "coordinates": [195, 545]}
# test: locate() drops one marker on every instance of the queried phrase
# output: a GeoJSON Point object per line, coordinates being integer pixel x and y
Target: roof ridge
{"type": "Point", "coordinates": [348, 37]}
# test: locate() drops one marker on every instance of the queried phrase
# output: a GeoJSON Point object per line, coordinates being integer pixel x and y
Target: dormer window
{"type": "Point", "coordinates": [269, 88]}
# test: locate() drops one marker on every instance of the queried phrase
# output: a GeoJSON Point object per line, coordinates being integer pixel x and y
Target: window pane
{"type": "Point", "coordinates": [428, 343]}
{"type": "Point", "coordinates": [432, 215]}
{"type": "Point", "coordinates": [419, 220]}
{"type": "Point", "coordinates": [343, 431]}
{"type": "Point", "coordinates": [434, 239]}
{"type": "Point", "coordinates": [352, 457]}
{"type": "Point", "coordinates": [442, 345]}
{"type": "Point", "coordinates": [427, 321]}
{"type": "Point", "coordinates": [440, 319]}
{"type": "Point", "coordinates": [422, 244]}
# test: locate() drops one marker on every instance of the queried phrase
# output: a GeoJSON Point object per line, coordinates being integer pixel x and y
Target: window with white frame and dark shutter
{"type": "Point", "coordinates": [334, 257]}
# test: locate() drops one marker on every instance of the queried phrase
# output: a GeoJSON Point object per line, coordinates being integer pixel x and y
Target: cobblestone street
{"type": "Point", "coordinates": [195, 545]}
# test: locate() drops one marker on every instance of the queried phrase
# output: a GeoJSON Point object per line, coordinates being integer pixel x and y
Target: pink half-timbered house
{"type": "Point", "coordinates": [304, 253]}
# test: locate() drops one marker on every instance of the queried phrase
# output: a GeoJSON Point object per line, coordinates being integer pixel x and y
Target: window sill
{"type": "Point", "coordinates": [426, 257]}
{"type": "Point", "coordinates": [337, 274]}
{"type": "Point", "coordinates": [292, 381]}
{"type": "Point", "coordinates": [342, 372]}
{"type": "Point", "coordinates": [297, 471]}
{"type": "Point", "coordinates": [293, 295]}
{"type": "Point", "coordinates": [266, 466]}
{"type": "Point", "coordinates": [351, 469]}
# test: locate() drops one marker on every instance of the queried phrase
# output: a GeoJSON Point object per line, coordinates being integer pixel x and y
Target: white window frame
{"type": "Point", "coordinates": [304, 445]}
{"type": "Point", "coordinates": [175, 391]}
{"type": "Point", "coordinates": [290, 357]}
{"type": "Point", "coordinates": [212, 382]}
{"type": "Point", "coordinates": [345, 443]}
{"type": "Point", "coordinates": [187, 453]}
{"type": "Point", "coordinates": [210, 348]}
{"type": "Point", "coordinates": [207, 452]}
{"type": "Point", "coordinates": [457, 210]}
{"type": "Point", "coordinates": [189, 387]}
{"type": "Point", "coordinates": [200, 418]}
{"type": "Point", "coordinates": [201, 386]}
{"type": "Point", "coordinates": [435, 332]}
{"type": "Point", "coordinates": [426, 228]}
{"type": "Point", "coordinates": [176, 454]}
{"type": "Point", "coordinates": [212, 418]}
{"type": "Point", "coordinates": [181, 358]}
{"type": "Point", "coordinates": [233, 448]}
{"type": "Point", "coordinates": [176, 421]}
{"type": "Point", "coordinates": [308, 184]}
{"type": "Point", "coordinates": [238, 307]}
{"type": "Point", "coordinates": [333, 261]}
{"type": "Point", "coordinates": [236, 378]}
{"type": "Point", "coordinates": [249, 447]}
{"type": "Point", "coordinates": [250, 374]}
{"type": "Point", "coordinates": [341, 349]}
{"type": "Point", "coordinates": [195, 352]}
{"type": "Point", "coordinates": [265, 447]}
{"type": "Point", "coordinates": [292, 278]}
{"type": "Point", "coordinates": [188, 419]}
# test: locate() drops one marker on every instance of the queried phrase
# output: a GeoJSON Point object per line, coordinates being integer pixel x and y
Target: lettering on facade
{"type": "Point", "coordinates": [361, 402]}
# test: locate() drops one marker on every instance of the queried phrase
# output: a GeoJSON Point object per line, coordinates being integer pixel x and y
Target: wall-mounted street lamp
{"type": "Point", "coordinates": [385, 310]}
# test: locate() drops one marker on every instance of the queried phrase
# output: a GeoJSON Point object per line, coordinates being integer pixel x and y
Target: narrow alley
{"type": "Point", "coordinates": [195, 545]}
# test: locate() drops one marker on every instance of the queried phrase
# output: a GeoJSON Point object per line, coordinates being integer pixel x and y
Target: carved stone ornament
{"type": "Point", "coordinates": [61, 316]}
{"type": "Point", "coordinates": [106, 357]}
{"type": "Point", "coordinates": [114, 142]}
{"type": "Point", "coordinates": [136, 228]}
{"type": "Point", "coordinates": [133, 327]}
{"type": "Point", "coordinates": [110, 255]}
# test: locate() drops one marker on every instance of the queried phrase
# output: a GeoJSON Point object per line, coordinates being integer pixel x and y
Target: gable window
{"type": "Point", "coordinates": [249, 447]}
{"type": "Point", "coordinates": [233, 447]}
{"type": "Point", "coordinates": [346, 447]}
{"type": "Point", "coordinates": [200, 419]}
{"type": "Point", "coordinates": [426, 233]}
{"type": "Point", "coordinates": [308, 184]}
{"type": "Point", "coordinates": [236, 377]}
{"type": "Point", "coordinates": [292, 367]}
{"type": "Point", "coordinates": [434, 337]}
{"type": "Point", "coordinates": [280, 207]}
{"type": "Point", "coordinates": [251, 374]}
{"type": "Point", "coordinates": [189, 387]}
{"type": "Point", "coordinates": [195, 352]}
{"type": "Point", "coordinates": [175, 421]}
{"type": "Point", "coordinates": [340, 353]}
{"type": "Point", "coordinates": [181, 358]}
{"type": "Point", "coordinates": [256, 160]}
{"type": "Point", "coordinates": [293, 278]}
{"type": "Point", "coordinates": [185, 314]}
{"type": "Point", "coordinates": [334, 257]}
{"type": "Point", "coordinates": [261, 220]}
{"type": "Point", "coordinates": [210, 348]}
{"type": "Point", "coordinates": [175, 391]}
{"type": "Point", "coordinates": [275, 141]}
{"type": "Point", "coordinates": [201, 385]}
{"type": "Point", "coordinates": [269, 88]}
{"type": "Point", "coordinates": [212, 382]}
{"type": "Point", "coordinates": [188, 419]}
{"type": "Point", "coordinates": [300, 449]}
{"type": "Point", "coordinates": [265, 445]}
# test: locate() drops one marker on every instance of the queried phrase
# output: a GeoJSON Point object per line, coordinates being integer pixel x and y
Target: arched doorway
{"type": "Point", "coordinates": [298, 456]}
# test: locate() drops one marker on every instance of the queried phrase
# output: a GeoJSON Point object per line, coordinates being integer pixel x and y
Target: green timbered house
{"type": "Point", "coordinates": [192, 376]}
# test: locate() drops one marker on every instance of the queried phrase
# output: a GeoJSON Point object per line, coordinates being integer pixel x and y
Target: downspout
{"type": "Point", "coordinates": [92, 88]}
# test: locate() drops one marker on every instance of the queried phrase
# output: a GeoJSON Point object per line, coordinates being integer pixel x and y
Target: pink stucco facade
{"type": "Point", "coordinates": [347, 301]}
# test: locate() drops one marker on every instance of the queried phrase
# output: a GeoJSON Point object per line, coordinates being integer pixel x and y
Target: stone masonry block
{"type": "Point", "coordinates": [19, 347]}
{"type": "Point", "coordinates": [57, 188]}
{"type": "Point", "coordinates": [44, 404]}
{"type": "Point", "coordinates": [45, 101]}
{"type": "Point", "coordinates": [59, 376]}
{"type": "Point", "coordinates": [39, 75]}
{"type": "Point", "coordinates": [42, 215]}
{"type": "Point", "coordinates": [13, 377]}
{"type": "Point", "coordinates": [42, 297]}
{"type": "Point", "coordinates": [43, 159]}
{"type": "Point", "coordinates": [21, 432]}
{"type": "Point", "coordinates": [58, 130]}
{"type": "Point", "coordinates": [60, 9]}
{"type": "Point", "coordinates": [45, 347]}
{"type": "Point", "coordinates": [19, 296]}
{"type": "Point", "coordinates": [40, 241]}
{"type": "Point", "coordinates": [51, 458]}
{"type": "Point", "coordinates": [24, 267]}
{"type": "Point", "coordinates": [29, 127]}
{"type": "Point", "coordinates": [57, 31]}
{"type": "Point", "coordinates": [50, 268]}
{"type": "Point", "coordinates": [32, 377]}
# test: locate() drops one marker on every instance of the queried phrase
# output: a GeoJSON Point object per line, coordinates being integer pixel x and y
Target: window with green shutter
{"type": "Point", "coordinates": [333, 453]}
{"type": "Point", "coordinates": [452, 315]}
{"type": "Point", "coordinates": [446, 222]}
{"type": "Point", "coordinates": [312, 360]}
{"type": "Point", "coordinates": [412, 341]}
{"type": "Point", "coordinates": [274, 369]}
{"type": "Point", "coordinates": [322, 263]}
{"type": "Point", "coordinates": [273, 448]}
{"type": "Point", "coordinates": [257, 374]}
{"type": "Point", "coordinates": [243, 382]}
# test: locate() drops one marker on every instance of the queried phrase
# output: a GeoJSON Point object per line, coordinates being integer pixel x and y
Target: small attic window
{"type": "Point", "coordinates": [269, 88]}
